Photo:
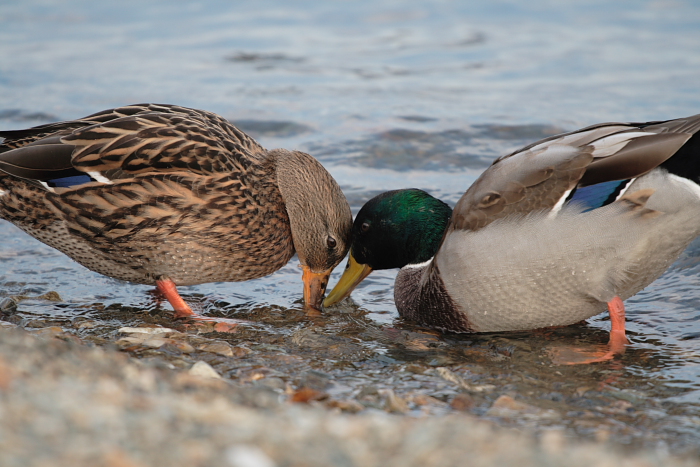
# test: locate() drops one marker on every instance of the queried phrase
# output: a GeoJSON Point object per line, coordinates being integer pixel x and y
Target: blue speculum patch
{"type": "Point", "coordinates": [67, 182]}
{"type": "Point", "coordinates": [595, 196]}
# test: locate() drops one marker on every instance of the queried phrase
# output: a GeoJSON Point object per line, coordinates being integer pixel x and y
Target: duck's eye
{"type": "Point", "coordinates": [364, 227]}
{"type": "Point", "coordinates": [330, 241]}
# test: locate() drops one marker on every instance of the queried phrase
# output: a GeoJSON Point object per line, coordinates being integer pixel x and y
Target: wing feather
{"type": "Point", "coordinates": [536, 177]}
{"type": "Point", "coordinates": [122, 142]}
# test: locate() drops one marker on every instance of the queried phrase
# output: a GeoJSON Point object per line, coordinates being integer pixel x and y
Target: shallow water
{"type": "Point", "coordinates": [387, 95]}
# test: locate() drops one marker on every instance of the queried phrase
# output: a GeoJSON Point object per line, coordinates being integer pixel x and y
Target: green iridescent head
{"type": "Point", "coordinates": [397, 228]}
{"type": "Point", "coordinates": [392, 230]}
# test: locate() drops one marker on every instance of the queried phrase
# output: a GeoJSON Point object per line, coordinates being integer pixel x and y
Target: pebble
{"type": "Point", "coordinates": [349, 406]}
{"type": "Point", "coordinates": [415, 369]}
{"type": "Point", "coordinates": [242, 455]}
{"type": "Point", "coordinates": [204, 370]}
{"type": "Point", "coordinates": [145, 330]}
{"type": "Point", "coordinates": [220, 348]}
{"type": "Point", "coordinates": [507, 407]}
{"type": "Point", "coordinates": [393, 403]}
{"type": "Point", "coordinates": [452, 377]}
{"type": "Point", "coordinates": [463, 402]}
{"type": "Point", "coordinates": [306, 395]}
{"type": "Point", "coordinates": [85, 324]}
{"type": "Point", "coordinates": [48, 332]}
{"type": "Point", "coordinates": [8, 304]}
{"type": "Point", "coordinates": [426, 400]}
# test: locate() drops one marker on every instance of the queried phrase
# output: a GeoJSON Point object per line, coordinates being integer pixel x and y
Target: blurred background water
{"type": "Point", "coordinates": [386, 94]}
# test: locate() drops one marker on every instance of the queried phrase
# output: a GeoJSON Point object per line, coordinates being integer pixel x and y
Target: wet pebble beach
{"type": "Point", "coordinates": [63, 403]}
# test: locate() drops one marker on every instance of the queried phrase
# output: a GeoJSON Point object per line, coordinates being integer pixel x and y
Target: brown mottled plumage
{"type": "Point", "coordinates": [167, 193]}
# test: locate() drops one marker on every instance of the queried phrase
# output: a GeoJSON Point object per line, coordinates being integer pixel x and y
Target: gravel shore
{"type": "Point", "coordinates": [66, 404]}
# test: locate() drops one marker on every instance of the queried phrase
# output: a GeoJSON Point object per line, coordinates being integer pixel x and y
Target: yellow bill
{"type": "Point", "coordinates": [353, 275]}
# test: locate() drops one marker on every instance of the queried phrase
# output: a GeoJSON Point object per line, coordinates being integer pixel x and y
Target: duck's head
{"type": "Point", "coordinates": [319, 217]}
{"type": "Point", "coordinates": [392, 230]}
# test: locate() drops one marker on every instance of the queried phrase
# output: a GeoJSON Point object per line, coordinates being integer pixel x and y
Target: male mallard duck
{"type": "Point", "coordinates": [546, 236]}
{"type": "Point", "coordinates": [166, 195]}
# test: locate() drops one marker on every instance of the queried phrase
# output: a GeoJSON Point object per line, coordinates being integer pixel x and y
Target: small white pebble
{"type": "Point", "coordinates": [243, 455]}
{"type": "Point", "coordinates": [146, 330]}
{"type": "Point", "coordinates": [205, 370]}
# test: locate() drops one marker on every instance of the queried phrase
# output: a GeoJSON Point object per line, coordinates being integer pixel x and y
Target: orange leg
{"type": "Point", "coordinates": [169, 290]}
{"type": "Point", "coordinates": [618, 339]}
{"type": "Point", "coordinates": [616, 345]}
{"type": "Point", "coordinates": [182, 310]}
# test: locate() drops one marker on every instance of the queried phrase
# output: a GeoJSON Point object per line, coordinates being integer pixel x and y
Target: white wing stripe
{"type": "Point", "coordinates": [557, 207]}
{"type": "Point", "coordinates": [99, 177]}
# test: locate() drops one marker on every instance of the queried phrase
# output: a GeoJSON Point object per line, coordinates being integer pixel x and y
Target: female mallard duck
{"type": "Point", "coordinates": [547, 236]}
{"type": "Point", "coordinates": [166, 195]}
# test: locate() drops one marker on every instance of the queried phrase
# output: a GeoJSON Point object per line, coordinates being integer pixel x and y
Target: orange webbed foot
{"type": "Point", "coordinates": [616, 346]}
{"type": "Point", "coordinates": [182, 310]}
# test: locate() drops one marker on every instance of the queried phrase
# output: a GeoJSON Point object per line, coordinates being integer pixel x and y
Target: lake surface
{"type": "Point", "coordinates": [386, 94]}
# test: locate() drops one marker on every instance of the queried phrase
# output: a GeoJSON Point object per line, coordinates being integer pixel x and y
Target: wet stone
{"type": "Point", "coordinates": [8, 304]}
{"type": "Point", "coordinates": [180, 345]}
{"type": "Point", "coordinates": [618, 407]}
{"type": "Point", "coordinates": [48, 332]}
{"type": "Point", "coordinates": [454, 378]}
{"type": "Point", "coordinates": [245, 455]}
{"type": "Point", "coordinates": [349, 406]}
{"type": "Point", "coordinates": [127, 342]}
{"type": "Point", "coordinates": [50, 296]}
{"type": "Point", "coordinates": [306, 395]}
{"type": "Point", "coordinates": [7, 325]}
{"type": "Point", "coordinates": [416, 369]}
{"type": "Point", "coordinates": [507, 407]}
{"type": "Point", "coordinates": [254, 374]}
{"type": "Point", "coordinates": [315, 379]}
{"type": "Point", "coordinates": [421, 399]}
{"type": "Point", "coordinates": [85, 324]}
{"type": "Point", "coordinates": [272, 383]}
{"type": "Point", "coordinates": [204, 370]}
{"type": "Point", "coordinates": [393, 403]}
{"type": "Point", "coordinates": [463, 402]}
{"type": "Point", "coordinates": [220, 348]}
{"type": "Point", "coordinates": [630, 395]}
{"type": "Point", "coordinates": [146, 330]}
{"type": "Point", "coordinates": [441, 361]}
{"type": "Point", "coordinates": [369, 397]}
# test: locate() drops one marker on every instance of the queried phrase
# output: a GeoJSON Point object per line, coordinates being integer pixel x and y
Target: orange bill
{"type": "Point", "coordinates": [354, 274]}
{"type": "Point", "coordinates": [314, 286]}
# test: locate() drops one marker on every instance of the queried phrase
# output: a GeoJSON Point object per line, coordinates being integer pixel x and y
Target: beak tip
{"type": "Point", "coordinates": [314, 288]}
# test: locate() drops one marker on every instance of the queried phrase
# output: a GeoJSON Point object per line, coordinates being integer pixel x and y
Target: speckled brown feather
{"type": "Point", "coordinates": [190, 197]}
